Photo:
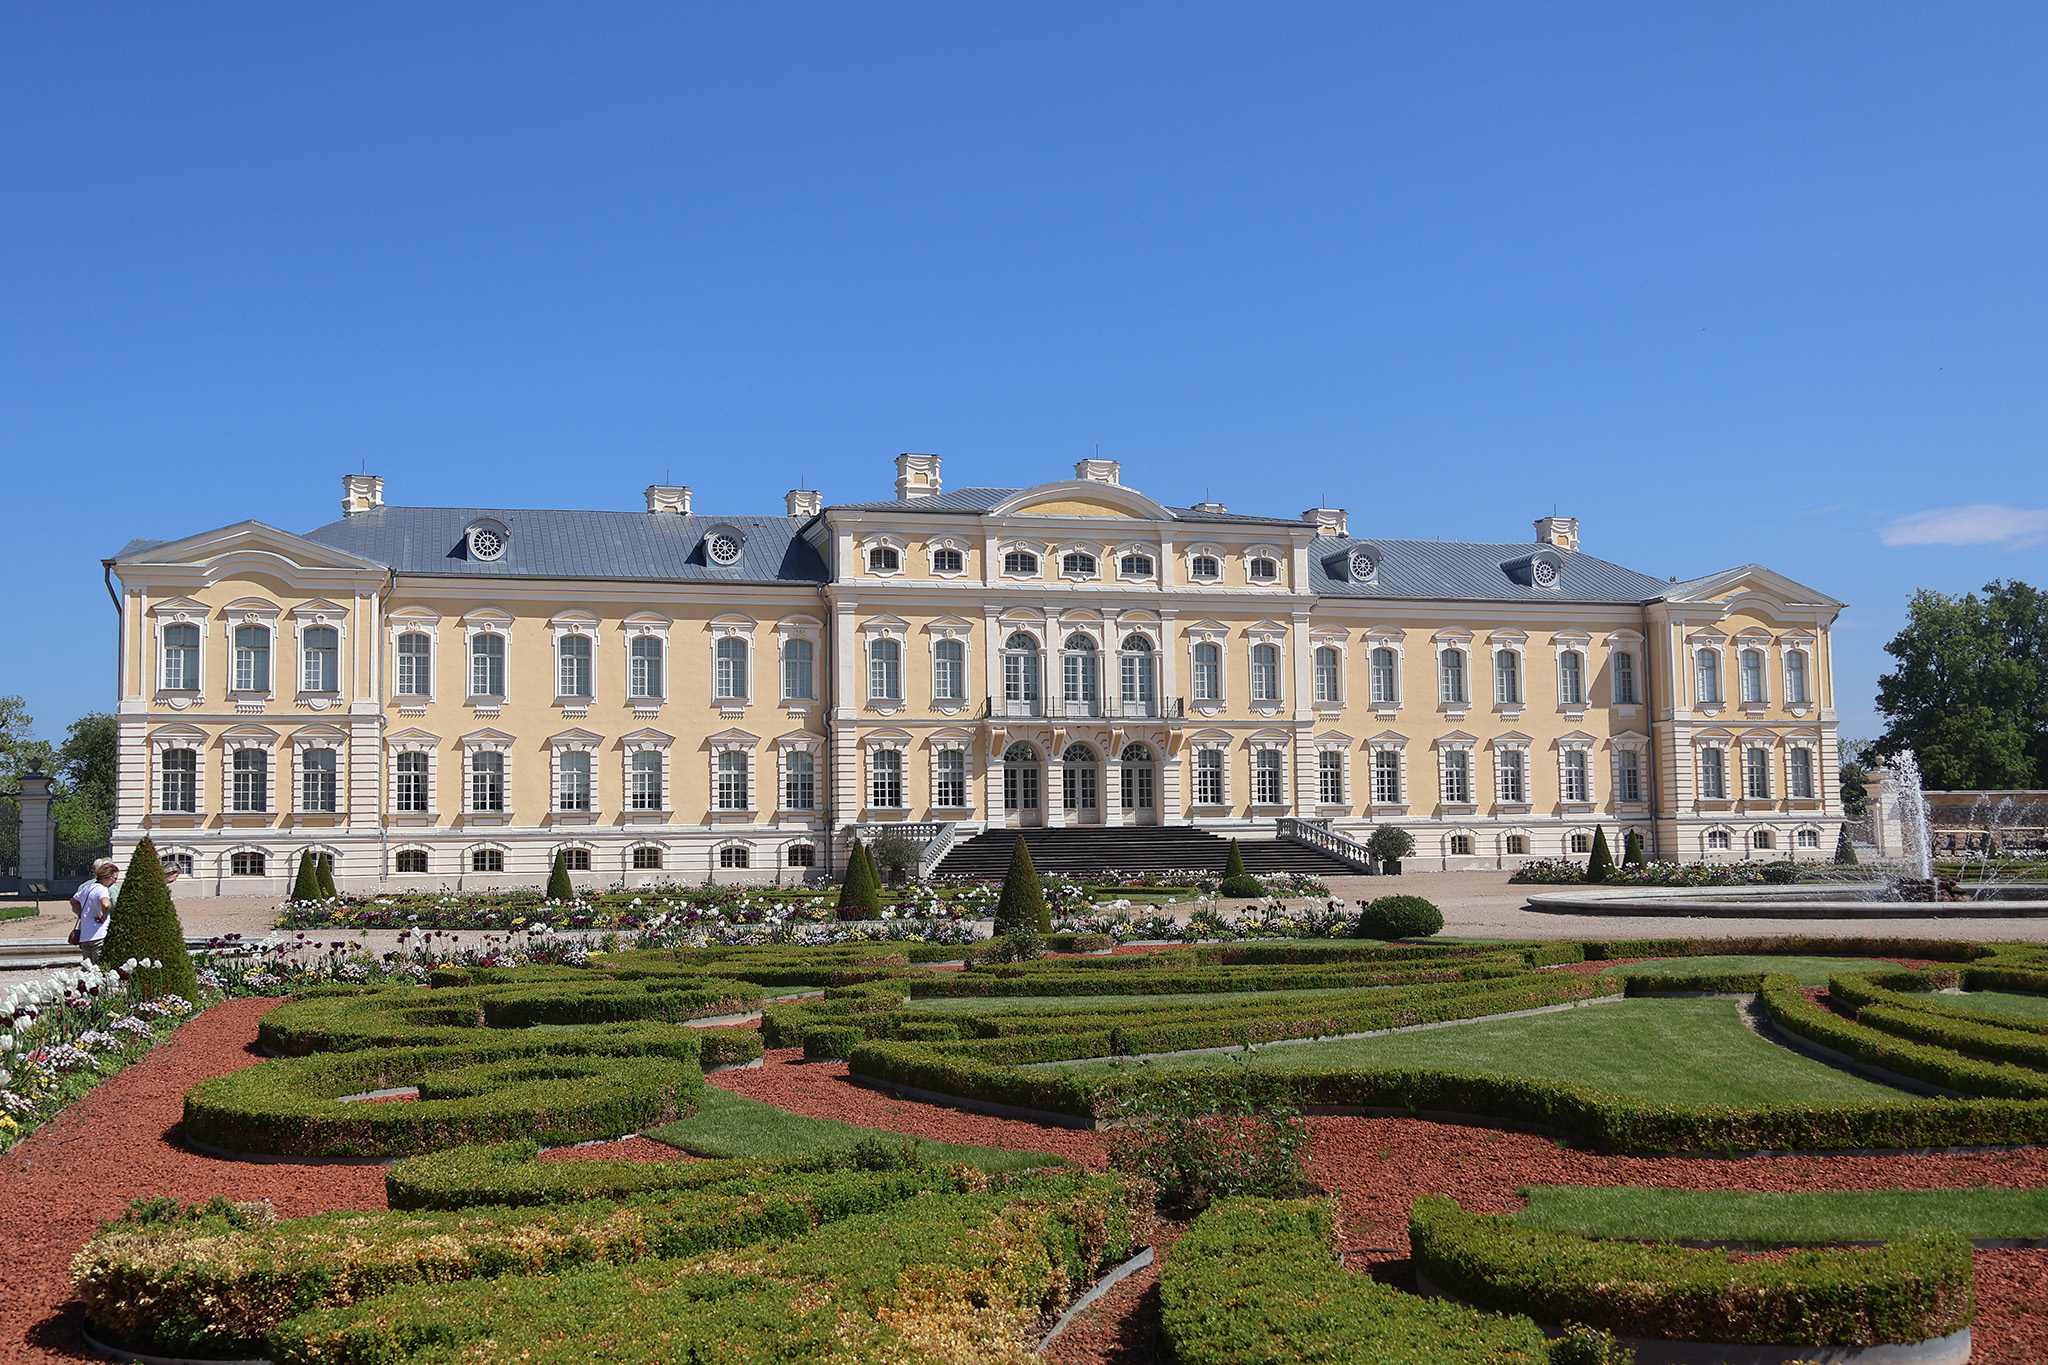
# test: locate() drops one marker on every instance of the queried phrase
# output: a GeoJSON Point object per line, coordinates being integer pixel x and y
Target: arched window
{"type": "Point", "coordinates": [1263, 570]}
{"type": "Point", "coordinates": [1020, 674]}
{"type": "Point", "coordinates": [1451, 675]}
{"type": "Point", "coordinates": [487, 860]}
{"type": "Point", "coordinates": [252, 659]}
{"type": "Point", "coordinates": [733, 855]}
{"type": "Point", "coordinates": [1265, 673]}
{"type": "Point", "coordinates": [1136, 777]}
{"type": "Point", "coordinates": [1080, 674]}
{"type": "Point", "coordinates": [1713, 775]}
{"type": "Point", "coordinates": [180, 780]}
{"type": "Point", "coordinates": [1329, 670]}
{"type": "Point", "coordinates": [1461, 845]}
{"type": "Point", "coordinates": [1624, 678]}
{"type": "Point", "coordinates": [415, 665]}
{"type": "Point", "coordinates": [943, 561]}
{"type": "Point", "coordinates": [576, 859]}
{"type": "Point", "coordinates": [1330, 778]}
{"type": "Point", "coordinates": [949, 785]}
{"type": "Point", "coordinates": [1138, 673]}
{"type": "Point", "coordinates": [732, 780]}
{"type": "Point", "coordinates": [410, 860]}
{"type": "Point", "coordinates": [320, 659]}
{"type": "Point", "coordinates": [1208, 679]}
{"type": "Point", "coordinates": [729, 670]}
{"type": "Point", "coordinates": [1135, 566]}
{"type": "Point", "coordinates": [413, 794]}
{"type": "Point", "coordinates": [1795, 678]}
{"type": "Point", "coordinates": [884, 559]}
{"type": "Point", "coordinates": [1020, 562]}
{"type": "Point", "coordinates": [1078, 563]}
{"type": "Point", "coordinates": [1078, 778]}
{"type": "Point", "coordinates": [572, 666]}
{"type": "Point", "coordinates": [1386, 676]}
{"type": "Point", "coordinates": [885, 670]}
{"type": "Point", "coordinates": [646, 858]}
{"type": "Point", "coordinates": [1268, 786]}
{"type": "Point", "coordinates": [1571, 678]}
{"type": "Point", "coordinates": [645, 781]}
{"type": "Point", "coordinates": [1386, 777]}
{"type": "Point", "coordinates": [949, 671]}
{"type": "Point", "coordinates": [245, 864]}
{"type": "Point", "coordinates": [1717, 838]}
{"type": "Point", "coordinates": [798, 678]}
{"type": "Point", "coordinates": [181, 658]}
{"type": "Point", "coordinates": [252, 780]}
{"type": "Point", "coordinates": [799, 780]}
{"type": "Point", "coordinates": [1707, 676]}
{"type": "Point", "coordinates": [486, 780]}
{"type": "Point", "coordinates": [572, 780]}
{"type": "Point", "coordinates": [1020, 777]}
{"type": "Point", "coordinates": [487, 665]}
{"type": "Point", "coordinates": [644, 655]}
{"type": "Point", "coordinates": [1204, 567]}
{"type": "Point", "coordinates": [1507, 677]}
{"type": "Point", "coordinates": [317, 773]}
{"type": "Point", "coordinates": [1762, 838]}
{"type": "Point", "coordinates": [802, 855]}
{"type": "Point", "coordinates": [885, 778]}
{"type": "Point", "coordinates": [1753, 689]}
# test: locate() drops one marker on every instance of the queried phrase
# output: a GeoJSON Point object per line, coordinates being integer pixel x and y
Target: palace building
{"type": "Point", "coordinates": [438, 695]}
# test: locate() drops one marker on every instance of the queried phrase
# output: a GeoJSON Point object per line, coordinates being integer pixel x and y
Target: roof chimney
{"type": "Point", "coordinates": [361, 493]}
{"type": "Point", "coordinates": [1329, 521]}
{"type": "Point", "coordinates": [1215, 507]}
{"type": "Point", "coordinates": [1099, 471]}
{"type": "Point", "coordinates": [1563, 532]}
{"type": "Point", "coordinates": [801, 502]}
{"type": "Point", "coordinates": [668, 497]}
{"type": "Point", "coordinates": [917, 476]}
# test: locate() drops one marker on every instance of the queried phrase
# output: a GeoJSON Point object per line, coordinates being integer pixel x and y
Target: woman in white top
{"type": "Point", "coordinates": [95, 905]}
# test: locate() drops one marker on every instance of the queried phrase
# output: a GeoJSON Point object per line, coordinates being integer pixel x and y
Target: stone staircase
{"type": "Point", "coordinates": [1086, 851]}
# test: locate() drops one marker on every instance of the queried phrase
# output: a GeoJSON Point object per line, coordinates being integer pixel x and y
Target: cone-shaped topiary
{"type": "Point", "coordinates": [1600, 866]}
{"type": "Point", "coordinates": [323, 868]}
{"type": "Point", "coordinates": [860, 894]}
{"type": "Point", "coordinates": [1237, 884]}
{"type": "Point", "coordinates": [306, 886]}
{"type": "Point", "coordinates": [1632, 850]}
{"type": "Point", "coordinates": [145, 927]}
{"type": "Point", "coordinates": [1233, 866]}
{"type": "Point", "coordinates": [560, 888]}
{"type": "Point", "coordinates": [1845, 850]}
{"type": "Point", "coordinates": [1021, 907]}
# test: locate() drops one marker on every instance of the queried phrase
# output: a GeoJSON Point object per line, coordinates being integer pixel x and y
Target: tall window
{"type": "Point", "coordinates": [1795, 677]}
{"type": "Point", "coordinates": [798, 660]}
{"type": "Point", "coordinates": [1625, 678]}
{"type": "Point", "coordinates": [486, 780]}
{"type": "Point", "coordinates": [1204, 566]}
{"type": "Point", "coordinates": [1330, 778]}
{"type": "Point", "coordinates": [1080, 564]}
{"type": "Point", "coordinates": [320, 659]}
{"type": "Point", "coordinates": [316, 779]}
{"type": "Point", "coordinates": [415, 665]}
{"type": "Point", "coordinates": [799, 780]}
{"type": "Point", "coordinates": [729, 670]}
{"type": "Point", "coordinates": [572, 791]}
{"type": "Point", "coordinates": [180, 779]}
{"type": "Point", "coordinates": [181, 658]}
{"type": "Point", "coordinates": [1457, 766]}
{"type": "Point", "coordinates": [1138, 679]}
{"type": "Point", "coordinates": [1707, 676]}
{"type": "Point", "coordinates": [732, 780]}
{"type": "Point", "coordinates": [949, 670]}
{"type": "Point", "coordinates": [1020, 777]}
{"type": "Point", "coordinates": [945, 561]}
{"type": "Point", "coordinates": [1329, 673]}
{"type": "Point", "coordinates": [951, 784]}
{"type": "Point", "coordinates": [1713, 775]}
{"type": "Point", "coordinates": [1799, 773]}
{"type": "Point", "coordinates": [1137, 777]}
{"type": "Point", "coordinates": [1628, 776]}
{"type": "Point", "coordinates": [487, 665]}
{"type": "Point", "coordinates": [1020, 562]}
{"type": "Point", "coordinates": [644, 675]}
{"type": "Point", "coordinates": [1020, 674]}
{"type": "Point", "coordinates": [645, 785]}
{"type": "Point", "coordinates": [1577, 787]}
{"type": "Point", "coordinates": [252, 659]}
{"type": "Point", "coordinates": [885, 778]}
{"type": "Point", "coordinates": [1080, 672]}
{"type": "Point", "coordinates": [1511, 783]}
{"type": "Point", "coordinates": [1208, 679]}
{"type": "Point", "coordinates": [1263, 570]}
{"type": "Point", "coordinates": [412, 794]}
{"type": "Point", "coordinates": [1265, 673]}
{"type": "Point", "coordinates": [1451, 675]}
{"type": "Point", "coordinates": [885, 670]}
{"type": "Point", "coordinates": [1386, 777]}
{"type": "Point", "coordinates": [1507, 677]}
{"type": "Point", "coordinates": [1571, 678]}
{"type": "Point", "coordinates": [572, 666]}
{"type": "Point", "coordinates": [1209, 777]}
{"type": "Point", "coordinates": [252, 779]}
{"type": "Point", "coordinates": [1386, 676]}
{"type": "Point", "coordinates": [1078, 778]}
{"type": "Point", "coordinates": [1756, 774]}
{"type": "Point", "coordinates": [1267, 787]}
{"type": "Point", "coordinates": [1752, 661]}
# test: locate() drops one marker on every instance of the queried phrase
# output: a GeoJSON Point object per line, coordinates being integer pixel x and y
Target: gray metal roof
{"type": "Point", "coordinates": [551, 544]}
{"type": "Point", "coordinates": [988, 499]}
{"type": "Point", "coordinates": [1466, 570]}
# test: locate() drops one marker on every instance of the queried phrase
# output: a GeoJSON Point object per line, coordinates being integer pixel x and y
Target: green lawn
{"type": "Point", "coordinates": [1811, 971]}
{"type": "Point", "coordinates": [972, 1004]}
{"type": "Point", "coordinates": [29, 911]}
{"type": "Point", "coordinates": [1741, 1216]}
{"type": "Point", "coordinates": [1676, 1051]}
{"type": "Point", "coordinates": [729, 1125]}
{"type": "Point", "coordinates": [1997, 1002]}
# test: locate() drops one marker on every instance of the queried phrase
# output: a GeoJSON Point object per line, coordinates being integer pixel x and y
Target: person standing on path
{"type": "Point", "coordinates": [95, 902]}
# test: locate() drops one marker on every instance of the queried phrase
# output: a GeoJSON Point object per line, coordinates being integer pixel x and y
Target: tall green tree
{"type": "Point", "coordinates": [19, 750]}
{"type": "Point", "coordinates": [560, 888]}
{"type": "Point", "coordinates": [86, 772]}
{"type": "Point", "coordinates": [145, 927]}
{"type": "Point", "coordinates": [1970, 693]}
{"type": "Point", "coordinates": [1857, 765]}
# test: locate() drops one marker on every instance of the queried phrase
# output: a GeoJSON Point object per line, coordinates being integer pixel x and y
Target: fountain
{"type": "Point", "coordinates": [1903, 794]}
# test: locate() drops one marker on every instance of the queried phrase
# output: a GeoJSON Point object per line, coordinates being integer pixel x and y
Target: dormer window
{"type": "Point", "coordinates": [1263, 570]}
{"type": "Point", "coordinates": [1205, 568]}
{"type": "Point", "coordinates": [487, 541]}
{"type": "Point", "coordinates": [1020, 562]}
{"type": "Point", "coordinates": [884, 559]}
{"type": "Point", "coordinates": [722, 549]}
{"type": "Point", "coordinates": [1078, 564]}
{"type": "Point", "coordinates": [1135, 566]}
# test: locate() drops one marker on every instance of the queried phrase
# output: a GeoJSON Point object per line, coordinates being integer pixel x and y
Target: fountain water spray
{"type": "Point", "coordinates": [1902, 794]}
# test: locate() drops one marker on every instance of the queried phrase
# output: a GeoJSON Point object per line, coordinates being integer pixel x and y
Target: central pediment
{"type": "Point", "coordinates": [1081, 498]}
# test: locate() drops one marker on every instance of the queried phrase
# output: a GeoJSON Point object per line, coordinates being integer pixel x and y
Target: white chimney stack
{"type": "Point", "coordinates": [917, 476]}
{"type": "Point", "coordinates": [668, 497]}
{"type": "Point", "coordinates": [1099, 471]}
{"type": "Point", "coordinates": [1563, 532]}
{"type": "Point", "coordinates": [361, 493]}
{"type": "Point", "coordinates": [802, 502]}
{"type": "Point", "coordinates": [1329, 521]}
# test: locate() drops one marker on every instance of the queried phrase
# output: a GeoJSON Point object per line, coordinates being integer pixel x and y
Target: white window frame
{"type": "Point", "coordinates": [724, 632]}
{"type": "Point", "coordinates": [473, 745]}
{"type": "Point", "coordinates": [640, 745]}
{"type": "Point", "coordinates": [1454, 756]}
{"type": "Point", "coordinates": [1080, 547]}
{"type": "Point", "coordinates": [1583, 748]}
{"type": "Point", "coordinates": [950, 545]}
{"type": "Point", "coordinates": [1393, 643]}
{"type": "Point", "coordinates": [485, 621]}
{"type": "Point", "coordinates": [234, 745]}
{"type": "Point", "coordinates": [1004, 549]}
{"type": "Point", "coordinates": [1377, 766]}
{"type": "Point", "coordinates": [1812, 758]}
{"type": "Point", "coordinates": [655, 629]}
{"type": "Point", "coordinates": [415, 744]}
{"type": "Point", "coordinates": [1318, 641]}
{"type": "Point", "coordinates": [1746, 646]}
{"type": "Point", "coordinates": [1122, 552]}
{"type": "Point", "coordinates": [1701, 749]}
{"type": "Point", "coordinates": [576, 626]}
{"type": "Point", "coordinates": [305, 744]}
{"type": "Point", "coordinates": [1221, 749]}
{"type": "Point", "coordinates": [1503, 750]}
{"type": "Point", "coordinates": [560, 747]}
{"type": "Point", "coordinates": [1444, 690]}
{"type": "Point", "coordinates": [871, 769]}
{"type": "Point", "coordinates": [1340, 750]}
{"type": "Point", "coordinates": [787, 633]}
{"type": "Point", "coordinates": [1707, 647]}
{"type": "Point", "coordinates": [415, 621]}
{"type": "Point", "coordinates": [269, 685]}
{"type": "Point", "coordinates": [1277, 683]}
{"type": "Point", "coordinates": [1252, 554]}
{"type": "Point", "coordinates": [786, 751]}
{"type": "Point", "coordinates": [305, 620]}
{"type": "Point", "coordinates": [1517, 652]}
{"type": "Point", "coordinates": [1622, 751]}
{"type": "Point", "coordinates": [162, 743]}
{"type": "Point", "coordinates": [166, 618]}
{"type": "Point", "coordinates": [883, 540]}
{"type": "Point", "coordinates": [940, 749]}
{"type": "Point", "coordinates": [1630, 644]}
{"type": "Point", "coordinates": [1204, 551]}
{"type": "Point", "coordinates": [1768, 767]}
{"type": "Point", "coordinates": [745, 748]}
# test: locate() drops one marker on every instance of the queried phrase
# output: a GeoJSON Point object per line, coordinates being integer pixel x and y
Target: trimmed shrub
{"type": "Point", "coordinates": [560, 888]}
{"type": "Point", "coordinates": [1600, 865]}
{"type": "Point", "coordinates": [936, 1031]}
{"type": "Point", "coordinates": [1632, 851]}
{"type": "Point", "coordinates": [145, 927]}
{"type": "Point", "coordinates": [1782, 873]}
{"type": "Point", "coordinates": [860, 894]}
{"type": "Point", "coordinates": [1241, 888]}
{"type": "Point", "coordinates": [1794, 1013]}
{"type": "Point", "coordinates": [1195, 1154]}
{"type": "Point", "coordinates": [831, 1042]}
{"type": "Point", "coordinates": [1845, 850]}
{"type": "Point", "coordinates": [1907, 1291]}
{"type": "Point", "coordinates": [1078, 943]}
{"type": "Point", "coordinates": [306, 885]}
{"type": "Point", "coordinates": [1390, 843]}
{"type": "Point", "coordinates": [1022, 903]}
{"type": "Point", "coordinates": [1393, 917]}
{"type": "Point", "coordinates": [323, 868]}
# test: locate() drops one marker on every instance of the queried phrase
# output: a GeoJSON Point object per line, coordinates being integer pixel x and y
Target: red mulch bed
{"type": "Point", "coordinates": [625, 1149]}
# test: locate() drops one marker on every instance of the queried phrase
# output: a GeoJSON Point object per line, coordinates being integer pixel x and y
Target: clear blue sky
{"type": "Point", "coordinates": [1728, 282]}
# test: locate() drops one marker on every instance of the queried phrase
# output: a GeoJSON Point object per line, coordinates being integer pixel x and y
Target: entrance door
{"type": "Point", "coordinates": [1080, 785]}
{"type": "Point", "coordinates": [1022, 805]}
{"type": "Point", "coordinates": [1137, 775]}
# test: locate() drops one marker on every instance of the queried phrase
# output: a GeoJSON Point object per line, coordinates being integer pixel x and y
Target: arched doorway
{"type": "Point", "coordinates": [1137, 786]}
{"type": "Point", "coordinates": [1022, 805]}
{"type": "Point", "coordinates": [1081, 785]}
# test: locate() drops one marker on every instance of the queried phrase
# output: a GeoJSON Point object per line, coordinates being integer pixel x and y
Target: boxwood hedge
{"type": "Point", "coordinates": [1790, 1010]}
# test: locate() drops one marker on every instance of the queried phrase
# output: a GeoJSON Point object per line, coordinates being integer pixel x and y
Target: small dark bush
{"type": "Point", "coordinates": [1175, 1137]}
{"type": "Point", "coordinates": [1780, 874]}
{"type": "Point", "coordinates": [1241, 888]}
{"type": "Point", "coordinates": [1400, 917]}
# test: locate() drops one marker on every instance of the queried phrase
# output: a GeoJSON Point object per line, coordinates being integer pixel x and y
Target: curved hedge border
{"type": "Point", "coordinates": [1910, 1291]}
{"type": "Point", "coordinates": [1790, 1010]}
{"type": "Point", "coordinates": [335, 1021]}
{"type": "Point", "coordinates": [512, 1175]}
{"type": "Point", "coordinates": [1913, 991]}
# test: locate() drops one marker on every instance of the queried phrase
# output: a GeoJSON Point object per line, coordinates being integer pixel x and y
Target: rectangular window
{"type": "Point", "coordinates": [1577, 787]}
{"type": "Point", "coordinates": [732, 780]}
{"type": "Point", "coordinates": [487, 665]}
{"type": "Point", "coordinates": [799, 780]}
{"type": "Point", "coordinates": [252, 780]}
{"type": "Point", "coordinates": [252, 659]}
{"type": "Point", "coordinates": [1707, 676]}
{"type": "Point", "coordinates": [949, 671]}
{"type": "Point", "coordinates": [1799, 771]}
{"type": "Point", "coordinates": [797, 660]}
{"type": "Point", "coordinates": [1625, 678]}
{"type": "Point", "coordinates": [1329, 676]}
{"type": "Point", "coordinates": [320, 659]}
{"type": "Point", "coordinates": [1753, 689]}
{"type": "Point", "coordinates": [1507, 677]}
{"type": "Point", "coordinates": [952, 777]}
{"type": "Point", "coordinates": [1267, 787]}
{"type": "Point", "coordinates": [1795, 678]}
{"type": "Point", "coordinates": [1386, 778]}
{"type": "Point", "coordinates": [885, 671]}
{"type": "Point", "coordinates": [181, 658]}
{"type": "Point", "coordinates": [1457, 765]}
{"type": "Point", "coordinates": [573, 666]}
{"type": "Point", "coordinates": [1756, 774]}
{"type": "Point", "coordinates": [644, 667]}
{"type": "Point", "coordinates": [1330, 778]}
{"type": "Point", "coordinates": [1385, 677]}
{"type": "Point", "coordinates": [1265, 673]}
{"type": "Point", "coordinates": [1571, 678]}
{"type": "Point", "coordinates": [180, 780]}
{"type": "Point", "coordinates": [486, 780]}
{"type": "Point", "coordinates": [412, 794]}
{"type": "Point", "coordinates": [644, 781]}
{"type": "Point", "coordinates": [729, 675]}
{"type": "Point", "coordinates": [1451, 673]}
{"type": "Point", "coordinates": [1628, 779]}
{"type": "Point", "coordinates": [316, 779]}
{"type": "Point", "coordinates": [1209, 777]}
{"type": "Point", "coordinates": [415, 663]}
{"type": "Point", "coordinates": [1518, 844]}
{"type": "Point", "coordinates": [1208, 679]}
{"type": "Point", "coordinates": [885, 779]}
{"type": "Point", "coordinates": [573, 780]}
{"type": "Point", "coordinates": [1713, 775]}
{"type": "Point", "coordinates": [1512, 782]}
